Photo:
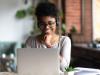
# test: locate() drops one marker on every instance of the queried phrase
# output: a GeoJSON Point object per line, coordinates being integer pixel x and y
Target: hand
{"type": "Point", "coordinates": [47, 39]}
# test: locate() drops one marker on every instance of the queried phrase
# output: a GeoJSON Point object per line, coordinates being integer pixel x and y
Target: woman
{"type": "Point", "coordinates": [46, 14]}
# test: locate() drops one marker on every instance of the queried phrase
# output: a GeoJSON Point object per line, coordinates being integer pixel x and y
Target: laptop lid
{"type": "Point", "coordinates": [37, 61]}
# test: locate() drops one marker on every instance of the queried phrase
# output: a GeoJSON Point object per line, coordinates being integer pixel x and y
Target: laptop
{"type": "Point", "coordinates": [37, 61]}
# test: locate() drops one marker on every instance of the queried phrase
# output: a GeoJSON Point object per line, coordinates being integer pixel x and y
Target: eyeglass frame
{"type": "Point", "coordinates": [50, 23]}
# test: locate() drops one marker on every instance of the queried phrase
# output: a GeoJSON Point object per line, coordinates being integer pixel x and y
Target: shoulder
{"type": "Point", "coordinates": [30, 39]}
{"type": "Point", "coordinates": [65, 38]}
{"type": "Point", "coordinates": [33, 38]}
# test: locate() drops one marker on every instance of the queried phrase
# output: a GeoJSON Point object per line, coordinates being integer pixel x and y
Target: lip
{"type": "Point", "coordinates": [47, 31]}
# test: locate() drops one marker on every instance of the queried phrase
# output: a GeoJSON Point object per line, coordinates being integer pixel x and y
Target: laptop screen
{"type": "Point", "coordinates": [37, 61]}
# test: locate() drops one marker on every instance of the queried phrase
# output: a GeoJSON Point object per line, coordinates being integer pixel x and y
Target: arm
{"type": "Point", "coordinates": [65, 53]}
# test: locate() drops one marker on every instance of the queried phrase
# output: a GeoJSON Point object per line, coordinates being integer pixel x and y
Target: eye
{"type": "Point", "coordinates": [51, 23]}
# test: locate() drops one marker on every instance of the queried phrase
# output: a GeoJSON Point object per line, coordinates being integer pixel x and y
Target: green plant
{"type": "Point", "coordinates": [63, 28]}
{"type": "Point", "coordinates": [69, 69]}
{"type": "Point", "coordinates": [73, 29]}
{"type": "Point", "coordinates": [20, 14]}
{"type": "Point", "coordinates": [30, 10]}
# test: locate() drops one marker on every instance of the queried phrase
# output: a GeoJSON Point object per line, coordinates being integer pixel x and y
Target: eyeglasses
{"type": "Point", "coordinates": [50, 23]}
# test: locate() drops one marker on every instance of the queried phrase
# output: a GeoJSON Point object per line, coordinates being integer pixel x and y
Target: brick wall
{"type": "Point", "coordinates": [73, 14]}
{"type": "Point", "coordinates": [81, 18]}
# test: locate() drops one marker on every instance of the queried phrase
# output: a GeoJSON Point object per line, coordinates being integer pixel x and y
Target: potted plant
{"type": "Point", "coordinates": [73, 30]}
{"type": "Point", "coordinates": [69, 71]}
{"type": "Point", "coordinates": [63, 29]}
{"type": "Point", "coordinates": [22, 13]}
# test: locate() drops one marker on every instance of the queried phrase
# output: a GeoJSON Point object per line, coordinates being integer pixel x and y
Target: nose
{"type": "Point", "coordinates": [47, 26]}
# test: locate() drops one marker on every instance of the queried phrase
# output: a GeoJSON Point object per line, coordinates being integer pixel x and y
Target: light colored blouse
{"type": "Point", "coordinates": [64, 47]}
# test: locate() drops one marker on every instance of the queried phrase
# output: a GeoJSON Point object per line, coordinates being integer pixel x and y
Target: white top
{"type": "Point", "coordinates": [64, 46]}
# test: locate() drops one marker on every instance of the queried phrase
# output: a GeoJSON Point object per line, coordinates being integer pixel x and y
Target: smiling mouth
{"type": "Point", "coordinates": [47, 31]}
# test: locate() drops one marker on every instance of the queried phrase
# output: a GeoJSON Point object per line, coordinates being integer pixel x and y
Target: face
{"type": "Point", "coordinates": [47, 24]}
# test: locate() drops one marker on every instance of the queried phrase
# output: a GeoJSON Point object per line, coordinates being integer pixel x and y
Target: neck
{"type": "Point", "coordinates": [54, 39]}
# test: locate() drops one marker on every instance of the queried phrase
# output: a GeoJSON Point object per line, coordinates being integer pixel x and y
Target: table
{"type": "Point", "coordinates": [78, 71]}
{"type": "Point", "coordinates": [86, 71]}
{"type": "Point", "coordinates": [8, 73]}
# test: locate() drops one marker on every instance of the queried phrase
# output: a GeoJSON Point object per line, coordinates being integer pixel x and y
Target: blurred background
{"type": "Point", "coordinates": [79, 20]}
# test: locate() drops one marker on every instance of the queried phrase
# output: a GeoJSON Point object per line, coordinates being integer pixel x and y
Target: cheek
{"type": "Point", "coordinates": [54, 29]}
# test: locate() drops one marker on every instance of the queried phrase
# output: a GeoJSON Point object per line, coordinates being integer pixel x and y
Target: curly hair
{"type": "Point", "coordinates": [46, 9]}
